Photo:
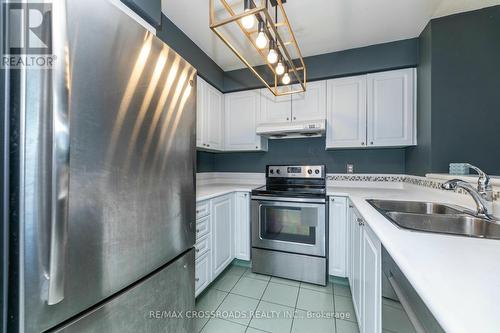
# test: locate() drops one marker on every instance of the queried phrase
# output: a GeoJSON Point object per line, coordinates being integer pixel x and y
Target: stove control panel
{"type": "Point", "coordinates": [296, 171]}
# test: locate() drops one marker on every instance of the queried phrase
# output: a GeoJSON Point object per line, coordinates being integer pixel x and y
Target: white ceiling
{"type": "Point", "coordinates": [323, 26]}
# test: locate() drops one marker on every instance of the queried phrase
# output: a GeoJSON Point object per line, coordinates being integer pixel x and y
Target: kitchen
{"type": "Point", "coordinates": [251, 166]}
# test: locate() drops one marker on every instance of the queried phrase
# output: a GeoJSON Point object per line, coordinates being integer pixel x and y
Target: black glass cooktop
{"type": "Point", "coordinates": [291, 191]}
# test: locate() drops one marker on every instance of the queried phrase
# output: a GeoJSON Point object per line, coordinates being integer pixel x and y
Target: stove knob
{"type": "Point", "coordinates": [271, 171]}
{"type": "Point", "coordinates": [278, 171]}
{"type": "Point", "coordinates": [316, 171]}
{"type": "Point", "coordinates": [309, 171]}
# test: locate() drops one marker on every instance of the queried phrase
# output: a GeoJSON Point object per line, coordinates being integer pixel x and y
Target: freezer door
{"type": "Point", "coordinates": [108, 163]}
{"type": "Point", "coordinates": [160, 303]}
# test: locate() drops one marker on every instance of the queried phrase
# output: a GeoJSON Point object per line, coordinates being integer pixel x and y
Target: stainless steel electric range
{"type": "Point", "coordinates": [289, 224]}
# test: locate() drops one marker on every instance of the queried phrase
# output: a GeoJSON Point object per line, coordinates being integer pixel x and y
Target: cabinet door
{"type": "Point", "coordinates": [202, 273]}
{"type": "Point", "coordinates": [213, 119]}
{"type": "Point", "coordinates": [346, 112]}
{"type": "Point", "coordinates": [200, 112]}
{"type": "Point", "coordinates": [337, 236]}
{"type": "Point", "coordinates": [241, 114]}
{"type": "Point", "coordinates": [275, 109]}
{"type": "Point", "coordinates": [222, 233]}
{"type": "Point", "coordinates": [242, 226]}
{"type": "Point", "coordinates": [357, 250]}
{"type": "Point", "coordinates": [391, 111]}
{"type": "Point", "coordinates": [310, 105]}
{"type": "Point", "coordinates": [372, 298]}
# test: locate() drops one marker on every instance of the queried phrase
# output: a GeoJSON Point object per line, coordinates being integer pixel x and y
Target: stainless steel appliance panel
{"type": "Point", "coordinates": [145, 308]}
{"type": "Point", "coordinates": [108, 163]}
{"type": "Point", "coordinates": [289, 224]}
{"type": "Point", "coordinates": [290, 266]}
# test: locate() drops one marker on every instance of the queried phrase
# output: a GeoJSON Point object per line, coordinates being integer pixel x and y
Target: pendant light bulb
{"type": "Point", "coordinates": [247, 21]}
{"type": "Point", "coordinates": [286, 79]}
{"type": "Point", "coordinates": [280, 69]}
{"type": "Point", "coordinates": [261, 40]}
{"type": "Point", "coordinates": [272, 56]}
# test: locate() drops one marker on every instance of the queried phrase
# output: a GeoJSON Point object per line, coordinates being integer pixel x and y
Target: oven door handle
{"type": "Point", "coordinates": [285, 199]}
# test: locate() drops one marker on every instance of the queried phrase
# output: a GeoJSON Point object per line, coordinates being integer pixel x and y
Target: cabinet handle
{"type": "Point", "coordinates": [371, 142]}
{"type": "Point", "coordinates": [197, 211]}
{"type": "Point", "coordinates": [208, 145]}
{"type": "Point", "coordinates": [197, 279]}
{"type": "Point", "coordinates": [287, 118]}
{"type": "Point", "coordinates": [197, 230]}
{"type": "Point", "coordinates": [197, 250]}
{"type": "Point", "coordinates": [256, 147]}
{"type": "Point", "coordinates": [332, 199]}
{"type": "Point", "coordinates": [294, 118]}
{"type": "Point", "coordinates": [350, 206]}
{"type": "Point", "coordinates": [362, 143]}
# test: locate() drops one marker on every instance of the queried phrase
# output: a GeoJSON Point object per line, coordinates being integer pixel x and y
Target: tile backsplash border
{"type": "Point", "coordinates": [409, 179]}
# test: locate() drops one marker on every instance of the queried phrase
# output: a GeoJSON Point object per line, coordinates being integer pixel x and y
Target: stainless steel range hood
{"type": "Point", "coordinates": [291, 130]}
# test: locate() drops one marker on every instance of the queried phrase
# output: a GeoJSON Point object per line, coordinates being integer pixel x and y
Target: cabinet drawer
{"type": "Point", "coordinates": [202, 246]}
{"type": "Point", "coordinates": [202, 273]}
{"type": "Point", "coordinates": [202, 227]}
{"type": "Point", "coordinates": [202, 209]}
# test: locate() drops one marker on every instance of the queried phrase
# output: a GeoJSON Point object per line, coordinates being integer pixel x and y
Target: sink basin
{"type": "Point", "coordinates": [415, 207]}
{"type": "Point", "coordinates": [436, 218]}
{"type": "Point", "coordinates": [464, 225]}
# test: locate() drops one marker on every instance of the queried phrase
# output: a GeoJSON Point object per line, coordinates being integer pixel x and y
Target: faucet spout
{"type": "Point", "coordinates": [481, 200]}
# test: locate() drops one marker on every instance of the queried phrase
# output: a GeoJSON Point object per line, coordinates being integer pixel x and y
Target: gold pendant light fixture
{"type": "Point", "coordinates": [266, 45]}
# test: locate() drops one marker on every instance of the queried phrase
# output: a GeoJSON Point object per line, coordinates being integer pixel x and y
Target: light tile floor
{"type": "Point", "coordinates": [243, 301]}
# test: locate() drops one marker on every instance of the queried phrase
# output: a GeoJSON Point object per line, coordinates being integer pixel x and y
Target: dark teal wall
{"type": "Point", "coordinates": [460, 98]}
{"type": "Point", "coordinates": [181, 43]}
{"type": "Point", "coordinates": [150, 10]}
{"type": "Point", "coordinates": [305, 151]}
{"type": "Point", "coordinates": [418, 158]}
{"type": "Point", "coordinates": [380, 57]}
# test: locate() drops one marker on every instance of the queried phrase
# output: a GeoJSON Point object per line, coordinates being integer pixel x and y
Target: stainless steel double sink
{"type": "Point", "coordinates": [436, 218]}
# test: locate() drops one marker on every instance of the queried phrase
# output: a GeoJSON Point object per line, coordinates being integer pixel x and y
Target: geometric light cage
{"type": "Point", "coordinates": [275, 30]}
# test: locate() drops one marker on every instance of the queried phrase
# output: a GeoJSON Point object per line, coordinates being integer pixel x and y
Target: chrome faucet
{"type": "Point", "coordinates": [483, 195]}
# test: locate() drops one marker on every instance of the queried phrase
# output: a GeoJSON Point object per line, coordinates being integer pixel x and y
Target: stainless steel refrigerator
{"type": "Point", "coordinates": [102, 180]}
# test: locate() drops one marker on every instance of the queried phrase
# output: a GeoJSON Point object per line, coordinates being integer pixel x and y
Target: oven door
{"type": "Point", "coordinates": [295, 225]}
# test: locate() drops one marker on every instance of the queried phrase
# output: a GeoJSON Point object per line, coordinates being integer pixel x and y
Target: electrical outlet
{"type": "Point", "coordinates": [350, 168]}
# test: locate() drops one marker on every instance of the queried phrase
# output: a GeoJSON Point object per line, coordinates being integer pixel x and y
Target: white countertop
{"type": "Point", "coordinates": [206, 192]}
{"type": "Point", "coordinates": [458, 278]}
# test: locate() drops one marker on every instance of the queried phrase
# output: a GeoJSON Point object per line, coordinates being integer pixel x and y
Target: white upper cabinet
{"type": "Point", "coordinates": [311, 104]}
{"type": "Point", "coordinates": [275, 109]}
{"type": "Point", "coordinates": [375, 110]}
{"type": "Point", "coordinates": [346, 112]}
{"type": "Point", "coordinates": [391, 108]}
{"type": "Point", "coordinates": [209, 110]}
{"type": "Point", "coordinates": [241, 113]}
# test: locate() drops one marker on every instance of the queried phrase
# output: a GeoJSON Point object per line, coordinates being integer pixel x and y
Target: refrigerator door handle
{"type": "Point", "coordinates": [60, 155]}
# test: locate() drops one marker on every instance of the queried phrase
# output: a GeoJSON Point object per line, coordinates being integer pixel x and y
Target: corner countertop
{"type": "Point", "coordinates": [205, 192]}
{"type": "Point", "coordinates": [458, 278]}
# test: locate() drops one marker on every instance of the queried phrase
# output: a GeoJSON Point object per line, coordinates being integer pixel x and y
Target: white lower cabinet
{"type": "Point", "coordinates": [222, 235]}
{"type": "Point", "coordinates": [338, 236]}
{"type": "Point", "coordinates": [371, 282]}
{"type": "Point", "coordinates": [242, 226]}
{"type": "Point", "coordinates": [364, 273]}
{"type": "Point", "coordinates": [203, 273]}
